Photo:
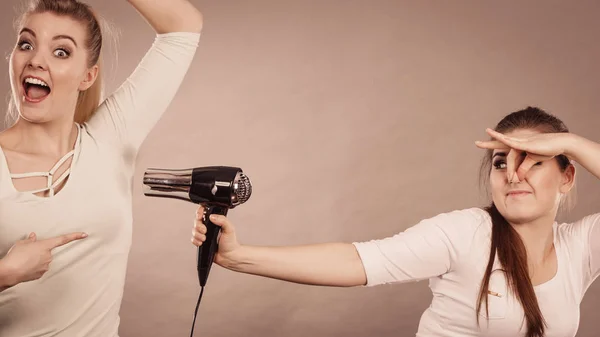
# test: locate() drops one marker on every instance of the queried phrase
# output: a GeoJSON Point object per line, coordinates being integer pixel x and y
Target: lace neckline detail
{"type": "Point", "coordinates": [51, 186]}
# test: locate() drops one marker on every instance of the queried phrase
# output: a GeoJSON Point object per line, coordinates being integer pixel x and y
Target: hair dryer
{"type": "Point", "coordinates": [217, 188]}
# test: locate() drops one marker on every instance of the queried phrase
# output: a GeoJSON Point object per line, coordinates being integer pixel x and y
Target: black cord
{"type": "Point", "coordinates": [196, 311]}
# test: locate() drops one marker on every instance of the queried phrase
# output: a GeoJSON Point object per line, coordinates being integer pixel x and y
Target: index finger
{"type": "Point", "coordinates": [492, 145]}
{"type": "Point", "coordinates": [512, 163]}
{"type": "Point", "coordinates": [61, 240]}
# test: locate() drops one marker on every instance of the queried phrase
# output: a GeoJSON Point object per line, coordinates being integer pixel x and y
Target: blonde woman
{"type": "Point", "coordinates": [67, 162]}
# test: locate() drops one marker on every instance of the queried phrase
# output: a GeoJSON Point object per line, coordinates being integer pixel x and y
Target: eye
{"type": "Point", "coordinates": [499, 164]}
{"type": "Point", "coordinates": [61, 53]}
{"type": "Point", "coordinates": [24, 45]}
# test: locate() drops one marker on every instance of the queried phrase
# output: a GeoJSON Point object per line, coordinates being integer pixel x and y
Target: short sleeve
{"type": "Point", "coordinates": [590, 230]}
{"type": "Point", "coordinates": [428, 249]}
{"type": "Point", "coordinates": [130, 113]}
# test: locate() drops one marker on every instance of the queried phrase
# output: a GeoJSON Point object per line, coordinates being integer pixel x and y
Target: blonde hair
{"type": "Point", "coordinates": [88, 100]}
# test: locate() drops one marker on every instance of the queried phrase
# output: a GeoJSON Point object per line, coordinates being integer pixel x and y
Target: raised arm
{"type": "Point", "coordinates": [167, 16]}
{"type": "Point", "coordinates": [585, 152]}
{"type": "Point", "coordinates": [129, 114]}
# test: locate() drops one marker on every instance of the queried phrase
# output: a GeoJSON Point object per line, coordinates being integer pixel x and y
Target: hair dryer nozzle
{"type": "Point", "coordinates": [168, 183]}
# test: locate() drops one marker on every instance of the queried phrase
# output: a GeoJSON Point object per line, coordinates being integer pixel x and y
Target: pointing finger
{"type": "Point", "coordinates": [63, 239]}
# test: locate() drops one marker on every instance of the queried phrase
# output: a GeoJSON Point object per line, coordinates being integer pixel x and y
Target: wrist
{"type": "Point", "coordinates": [7, 276]}
{"type": "Point", "coordinates": [237, 259]}
{"type": "Point", "coordinates": [572, 143]}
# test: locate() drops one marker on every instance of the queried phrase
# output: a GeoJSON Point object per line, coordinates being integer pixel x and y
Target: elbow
{"type": "Point", "coordinates": [193, 22]}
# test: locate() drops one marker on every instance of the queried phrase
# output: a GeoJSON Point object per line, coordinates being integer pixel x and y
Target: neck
{"type": "Point", "coordinates": [538, 238]}
{"type": "Point", "coordinates": [54, 138]}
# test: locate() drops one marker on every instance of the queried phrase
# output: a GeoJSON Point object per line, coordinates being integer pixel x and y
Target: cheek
{"type": "Point", "coordinates": [545, 185]}
{"type": "Point", "coordinates": [15, 67]}
{"type": "Point", "coordinates": [65, 75]}
{"type": "Point", "coordinates": [497, 182]}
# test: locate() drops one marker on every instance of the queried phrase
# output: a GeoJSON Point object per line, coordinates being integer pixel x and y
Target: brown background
{"type": "Point", "coordinates": [354, 120]}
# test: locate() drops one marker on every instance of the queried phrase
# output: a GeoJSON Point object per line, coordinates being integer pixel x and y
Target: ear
{"type": "Point", "coordinates": [568, 179]}
{"type": "Point", "coordinates": [90, 77]}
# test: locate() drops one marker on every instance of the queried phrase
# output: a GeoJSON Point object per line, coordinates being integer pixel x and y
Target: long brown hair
{"type": "Point", "coordinates": [505, 241]}
{"type": "Point", "coordinates": [88, 100]}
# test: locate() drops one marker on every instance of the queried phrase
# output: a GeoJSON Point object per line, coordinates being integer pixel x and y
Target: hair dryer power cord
{"type": "Point", "coordinates": [196, 311]}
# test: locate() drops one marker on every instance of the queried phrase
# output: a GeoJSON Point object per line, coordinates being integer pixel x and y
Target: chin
{"type": "Point", "coordinates": [522, 213]}
{"type": "Point", "coordinates": [34, 115]}
{"type": "Point", "coordinates": [517, 212]}
{"type": "Point", "coordinates": [35, 112]}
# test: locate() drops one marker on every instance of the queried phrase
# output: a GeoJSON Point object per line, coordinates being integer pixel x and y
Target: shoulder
{"type": "Point", "coordinates": [458, 228]}
{"type": "Point", "coordinates": [580, 231]}
{"type": "Point", "coordinates": [460, 221]}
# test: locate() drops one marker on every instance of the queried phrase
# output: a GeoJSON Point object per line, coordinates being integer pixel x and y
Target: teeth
{"type": "Point", "coordinates": [35, 81]}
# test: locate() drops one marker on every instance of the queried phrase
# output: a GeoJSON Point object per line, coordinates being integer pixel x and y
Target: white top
{"type": "Point", "coordinates": [81, 294]}
{"type": "Point", "coordinates": [452, 250]}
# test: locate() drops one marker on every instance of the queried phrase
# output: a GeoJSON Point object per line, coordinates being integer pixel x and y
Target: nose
{"type": "Point", "coordinates": [512, 177]}
{"type": "Point", "coordinates": [37, 61]}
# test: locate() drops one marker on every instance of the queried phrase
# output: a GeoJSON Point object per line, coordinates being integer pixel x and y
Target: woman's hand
{"type": "Point", "coordinates": [537, 147]}
{"type": "Point", "coordinates": [30, 259]}
{"type": "Point", "coordinates": [228, 243]}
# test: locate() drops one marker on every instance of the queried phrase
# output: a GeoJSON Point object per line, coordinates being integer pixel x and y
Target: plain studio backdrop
{"type": "Point", "coordinates": [354, 121]}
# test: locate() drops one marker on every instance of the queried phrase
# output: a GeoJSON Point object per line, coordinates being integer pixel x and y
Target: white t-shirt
{"type": "Point", "coordinates": [452, 250]}
{"type": "Point", "coordinates": [80, 295]}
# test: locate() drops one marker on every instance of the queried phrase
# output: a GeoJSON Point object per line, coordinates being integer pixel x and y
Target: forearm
{"type": "Point", "coordinates": [586, 153]}
{"type": "Point", "coordinates": [166, 16]}
{"type": "Point", "coordinates": [329, 264]}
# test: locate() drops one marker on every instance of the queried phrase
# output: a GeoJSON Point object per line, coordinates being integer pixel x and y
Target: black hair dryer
{"type": "Point", "coordinates": [217, 188]}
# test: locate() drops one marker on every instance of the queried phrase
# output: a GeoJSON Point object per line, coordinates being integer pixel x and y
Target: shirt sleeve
{"type": "Point", "coordinates": [590, 229]}
{"type": "Point", "coordinates": [130, 113]}
{"type": "Point", "coordinates": [428, 249]}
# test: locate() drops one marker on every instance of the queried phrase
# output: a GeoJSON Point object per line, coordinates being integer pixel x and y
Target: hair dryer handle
{"type": "Point", "coordinates": [208, 249]}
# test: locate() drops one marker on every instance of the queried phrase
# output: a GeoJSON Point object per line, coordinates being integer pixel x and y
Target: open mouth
{"type": "Point", "coordinates": [35, 89]}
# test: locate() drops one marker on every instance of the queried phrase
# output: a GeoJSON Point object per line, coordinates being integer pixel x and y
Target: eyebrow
{"type": "Point", "coordinates": [503, 154]}
{"type": "Point", "coordinates": [57, 37]}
